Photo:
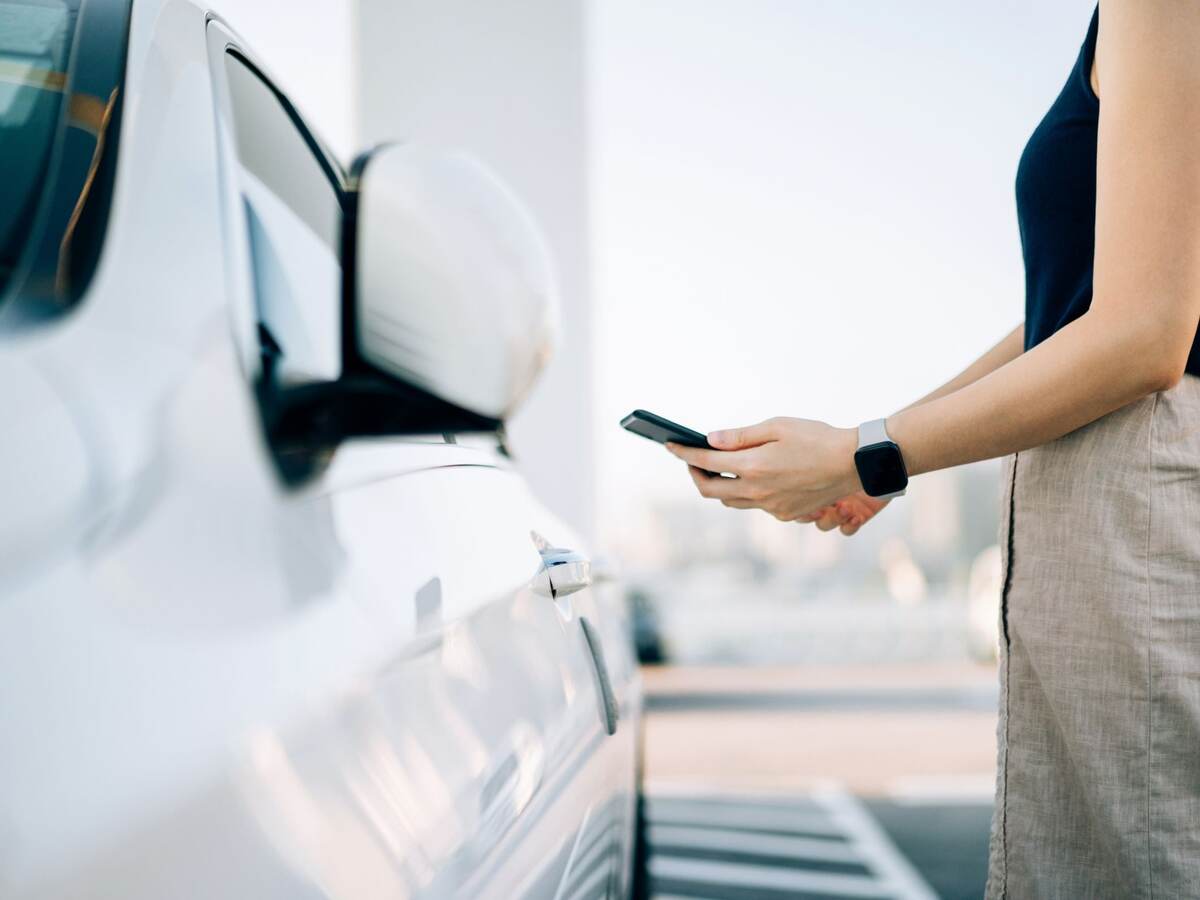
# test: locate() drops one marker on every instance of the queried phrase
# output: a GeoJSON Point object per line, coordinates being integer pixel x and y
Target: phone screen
{"type": "Point", "coordinates": [656, 428]}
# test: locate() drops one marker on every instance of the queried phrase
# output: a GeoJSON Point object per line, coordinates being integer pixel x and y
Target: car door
{"type": "Point", "coordinates": [472, 759]}
{"type": "Point", "coordinates": [481, 750]}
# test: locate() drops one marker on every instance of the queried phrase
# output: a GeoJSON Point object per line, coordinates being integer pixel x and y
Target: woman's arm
{"type": "Point", "coordinates": [1134, 340]}
{"type": "Point", "coordinates": [1136, 337]}
{"type": "Point", "coordinates": [850, 513]}
{"type": "Point", "coordinates": [1091, 367]}
{"type": "Point", "coordinates": [1009, 348]}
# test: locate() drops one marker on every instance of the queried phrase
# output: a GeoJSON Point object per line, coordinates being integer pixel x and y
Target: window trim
{"type": "Point", "coordinates": [329, 164]}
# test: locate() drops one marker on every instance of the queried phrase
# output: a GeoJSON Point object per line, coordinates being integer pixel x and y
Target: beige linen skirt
{"type": "Point", "coordinates": [1098, 782]}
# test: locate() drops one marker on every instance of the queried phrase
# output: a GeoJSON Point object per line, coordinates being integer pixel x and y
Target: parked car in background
{"type": "Point", "coordinates": [279, 617]}
{"type": "Point", "coordinates": [648, 638]}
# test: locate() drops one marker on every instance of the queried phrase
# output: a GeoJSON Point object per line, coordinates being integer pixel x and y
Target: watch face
{"type": "Point", "coordinates": [881, 469]}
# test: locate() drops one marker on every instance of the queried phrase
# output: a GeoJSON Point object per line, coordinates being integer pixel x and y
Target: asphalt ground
{"type": "Point", "coordinates": [802, 782]}
{"type": "Point", "coordinates": [947, 844]}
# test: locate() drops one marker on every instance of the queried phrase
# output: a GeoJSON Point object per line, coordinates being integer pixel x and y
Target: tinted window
{"type": "Point", "coordinates": [62, 63]}
{"type": "Point", "coordinates": [35, 39]}
{"type": "Point", "coordinates": [293, 213]}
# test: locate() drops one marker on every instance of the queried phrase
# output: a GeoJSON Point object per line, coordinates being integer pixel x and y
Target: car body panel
{"type": "Point", "coordinates": [214, 685]}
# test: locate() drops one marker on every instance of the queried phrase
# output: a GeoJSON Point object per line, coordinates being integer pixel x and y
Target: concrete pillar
{"type": "Point", "coordinates": [506, 82]}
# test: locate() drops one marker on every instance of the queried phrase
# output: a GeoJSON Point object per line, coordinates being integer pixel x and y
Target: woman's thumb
{"type": "Point", "coordinates": [742, 438]}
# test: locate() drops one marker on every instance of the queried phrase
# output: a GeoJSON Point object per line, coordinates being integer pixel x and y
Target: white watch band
{"type": "Point", "coordinates": [875, 432]}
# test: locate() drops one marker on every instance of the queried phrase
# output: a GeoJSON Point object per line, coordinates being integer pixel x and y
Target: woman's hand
{"type": "Point", "coordinates": [789, 467]}
{"type": "Point", "coordinates": [849, 514]}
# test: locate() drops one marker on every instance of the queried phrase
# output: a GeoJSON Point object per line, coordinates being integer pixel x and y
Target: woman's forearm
{"type": "Point", "coordinates": [1086, 370]}
{"type": "Point", "coordinates": [1009, 348]}
{"type": "Point", "coordinates": [1098, 363]}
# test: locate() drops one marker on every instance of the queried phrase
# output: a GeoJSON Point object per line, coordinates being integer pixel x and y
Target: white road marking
{"type": "Point", "coordinates": [742, 815]}
{"type": "Point", "coordinates": [767, 788]}
{"type": "Point", "coordinates": [750, 842]}
{"type": "Point", "coordinates": [768, 877]}
{"type": "Point", "coordinates": [943, 790]}
{"type": "Point", "coordinates": [729, 820]}
{"type": "Point", "coordinates": [896, 872]}
{"type": "Point", "coordinates": [775, 792]}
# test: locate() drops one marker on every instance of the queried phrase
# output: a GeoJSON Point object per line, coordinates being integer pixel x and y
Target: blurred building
{"type": "Point", "coordinates": [734, 586]}
{"type": "Point", "coordinates": [946, 519]}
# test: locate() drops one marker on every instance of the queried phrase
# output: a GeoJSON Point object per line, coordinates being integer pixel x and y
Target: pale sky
{"type": "Point", "coordinates": [804, 208]}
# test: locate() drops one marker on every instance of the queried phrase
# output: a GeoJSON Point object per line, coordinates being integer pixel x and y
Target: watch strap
{"type": "Point", "coordinates": [873, 432]}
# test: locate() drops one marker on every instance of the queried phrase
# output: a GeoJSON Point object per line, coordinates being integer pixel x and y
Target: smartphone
{"type": "Point", "coordinates": [656, 428]}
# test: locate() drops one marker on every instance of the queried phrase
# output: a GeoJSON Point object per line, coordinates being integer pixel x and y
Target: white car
{"type": "Point", "coordinates": [278, 616]}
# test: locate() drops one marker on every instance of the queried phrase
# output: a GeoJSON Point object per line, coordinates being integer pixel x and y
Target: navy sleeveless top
{"type": "Point", "coordinates": [1056, 206]}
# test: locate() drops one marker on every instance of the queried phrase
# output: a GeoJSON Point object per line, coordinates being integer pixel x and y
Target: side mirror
{"type": "Point", "coordinates": [454, 288]}
{"type": "Point", "coordinates": [449, 309]}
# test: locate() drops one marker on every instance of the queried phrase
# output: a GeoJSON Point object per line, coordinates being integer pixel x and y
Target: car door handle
{"type": "Point", "coordinates": [564, 572]}
{"type": "Point", "coordinates": [610, 711]}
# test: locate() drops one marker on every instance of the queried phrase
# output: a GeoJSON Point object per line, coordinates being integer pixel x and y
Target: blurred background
{"type": "Point", "coordinates": [806, 209]}
{"type": "Point", "coordinates": [759, 208]}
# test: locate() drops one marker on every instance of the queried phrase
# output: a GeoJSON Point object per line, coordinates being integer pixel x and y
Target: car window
{"type": "Point", "coordinates": [62, 68]}
{"type": "Point", "coordinates": [292, 200]}
{"type": "Point", "coordinates": [34, 43]}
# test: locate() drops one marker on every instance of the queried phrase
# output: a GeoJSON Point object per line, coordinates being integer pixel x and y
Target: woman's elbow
{"type": "Point", "coordinates": [1164, 359]}
{"type": "Point", "coordinates": [1163, 378]}
{"type": "Point", "coordinates": [1156, 352]}
{"type": "Point", "coordinates": [1147, 367]}
{"type": "Point", "coordinates": [1167, 374]}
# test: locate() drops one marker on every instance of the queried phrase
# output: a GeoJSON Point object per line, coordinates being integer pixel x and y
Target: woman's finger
{"type": "Point", "coordinates": [862, 506]}
{"type": "Point", "coordinates": [845, 511]}
{"type": "Point", "coordinates": [715, 487]}
{"type": "Point", "coordinates": [744, 438]}
{"type": "Point", "coordinates": [739, 504]}
{"type": "Point", "coordinates": [709, 460]}
{"type": "Point", "coordinates": [830, 519]}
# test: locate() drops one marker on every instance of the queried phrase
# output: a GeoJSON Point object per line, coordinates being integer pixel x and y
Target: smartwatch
{"type": "Point", "coordinates": [879, 462]}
